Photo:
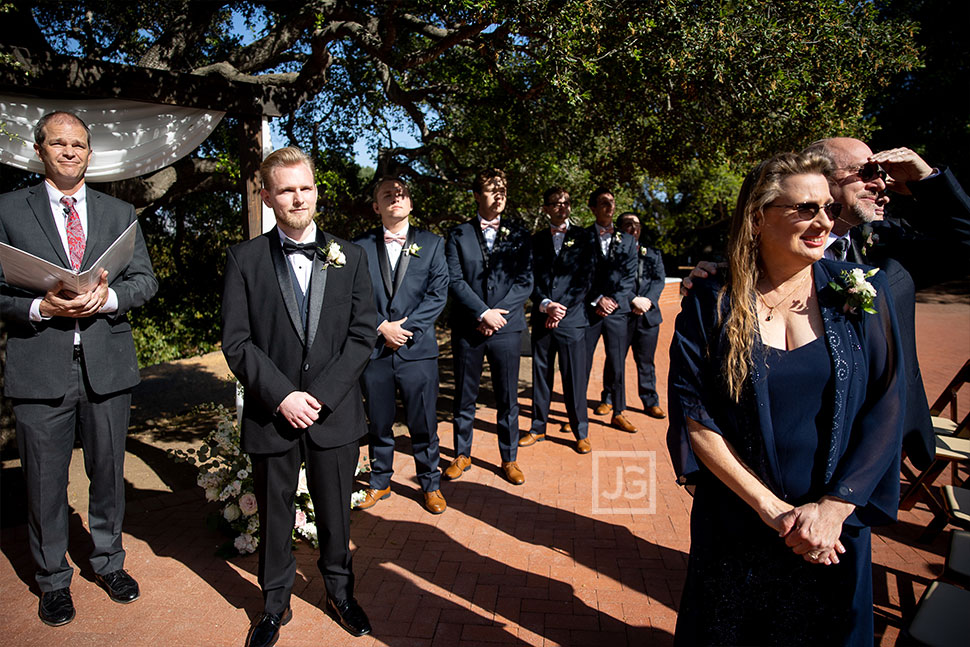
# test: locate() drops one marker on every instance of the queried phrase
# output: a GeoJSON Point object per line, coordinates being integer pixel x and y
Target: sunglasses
{"type": "Point", "coordinates": [869, 172]}
{"type": "Point", "coordinates": [808, 210]}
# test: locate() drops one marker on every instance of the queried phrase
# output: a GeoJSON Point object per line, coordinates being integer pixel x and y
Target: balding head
{"type": "Point", "coordinates": [857, 196]}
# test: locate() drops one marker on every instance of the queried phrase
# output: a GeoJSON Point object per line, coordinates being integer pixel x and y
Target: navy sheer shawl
{"type": "Point", "coordinates": [864, 438]}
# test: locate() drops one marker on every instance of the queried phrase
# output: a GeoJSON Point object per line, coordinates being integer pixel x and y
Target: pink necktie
{"type": "Point", "coordinates": [394, 238]}
{"type": "Point", "coordinates": [75, 234]}
{"type": "Point", "coordinates": [490, 224]}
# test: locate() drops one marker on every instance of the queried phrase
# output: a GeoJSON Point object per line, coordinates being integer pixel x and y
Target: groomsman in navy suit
{"type": "Point", "coordinates": [490, 265]}
{"type": "Point", "coordinates": [645, 318]}
{"type": "Point", "coordinates": [562, 259]}
{"type": "Point", "coordinates": [410, 279]}
{"type": "Point", "coordinates": [609, 304]}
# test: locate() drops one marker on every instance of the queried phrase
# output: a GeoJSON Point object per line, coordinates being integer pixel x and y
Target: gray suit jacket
{"type": "Point", "coordinates": [39, 355]}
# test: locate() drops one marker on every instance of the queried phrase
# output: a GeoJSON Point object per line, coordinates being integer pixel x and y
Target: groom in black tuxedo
{"type": "Point", "coordinates": [298, 327]}
{"type": "Point", "coordinates": [71, 362]}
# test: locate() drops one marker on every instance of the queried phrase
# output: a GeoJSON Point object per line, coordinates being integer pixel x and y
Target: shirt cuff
{"type": "Point", "coordinates": [35, 315]}
{"type": "Point", "coordinates": [482, 315]}
{"type": "Point", "coordinates": [381, 324]}
{"type": "Point", "coordinates": [544, 305]}
{"type": "Point", "coordinates": [111, 305]}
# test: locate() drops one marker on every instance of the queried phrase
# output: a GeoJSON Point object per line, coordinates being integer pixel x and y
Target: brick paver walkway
{"type": "Point", "coordinates": [527, 565]}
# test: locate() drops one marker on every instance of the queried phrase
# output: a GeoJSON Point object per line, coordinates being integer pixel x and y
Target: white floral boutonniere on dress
{"type": "Point", "coordinates": [412, 250]}
{"type": "Point", "coordinates": [643, 251]}
{"type": "Point", "coordinates": [618, 238]}
{"type": "Point", "coordinates": [504, 232]}
{"type": "Point", "coordinates": [333, 255]}
{"type": "Point", "coordinates": [857, 291]}
{"type": "Point", "coordinates": [570, 242]}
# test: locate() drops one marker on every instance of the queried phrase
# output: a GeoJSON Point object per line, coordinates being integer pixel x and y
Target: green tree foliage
{"type": "Point", "coordinates": [667, 101]}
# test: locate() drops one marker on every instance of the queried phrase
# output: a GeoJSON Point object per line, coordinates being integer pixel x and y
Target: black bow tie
{"type": "Point", "coordinates": [307, 249]}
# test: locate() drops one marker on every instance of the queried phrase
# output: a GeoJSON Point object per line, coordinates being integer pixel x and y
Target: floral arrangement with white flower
{"type": "Point", "coordinates": [857, 291]}
{"type": "Point", "coordinates": [412, 250]}
{"type": "Point", "coordinates": [333, 255]}
{"type": "Point", "coordinates": [225, 473]}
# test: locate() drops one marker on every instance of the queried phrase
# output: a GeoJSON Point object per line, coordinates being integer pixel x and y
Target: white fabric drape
{"type": "Point", "coordinates": [128, 138]}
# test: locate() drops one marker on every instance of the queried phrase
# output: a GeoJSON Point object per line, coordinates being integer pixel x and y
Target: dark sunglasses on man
{"type": "Point", "coordinates": [869, 171]}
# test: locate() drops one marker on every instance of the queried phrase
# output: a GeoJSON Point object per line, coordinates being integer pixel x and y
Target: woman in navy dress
{"type": "Point", "coordinates": [785, 418]}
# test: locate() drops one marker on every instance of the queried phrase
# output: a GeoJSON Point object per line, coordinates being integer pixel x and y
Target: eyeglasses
{"type": "Point", "coordinates": [808, 210]}
{"type": "Point", "coordinates": [868, 172]}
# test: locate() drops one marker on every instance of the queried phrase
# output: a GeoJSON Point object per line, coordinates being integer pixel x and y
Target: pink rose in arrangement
{"type": "Point", "coordinates": [300, 520]}
{"type": "Point", "coordinates": [247, 504]}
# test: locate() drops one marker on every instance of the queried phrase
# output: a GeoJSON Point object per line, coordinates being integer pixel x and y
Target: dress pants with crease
{"type": "Point", "coordinates": [330, 475]}
{"type": "Point", "coordinates": [417, 382]}
{"type": "Point", "coordinates": [614, 330]}
{"type": "Point", "coordinates": [643, 341]}
{"type": "Point", "coordinates": [45, 437]}
{"type": "Point", "coordinates": [570, 345]}
{"type": "Point", "coordinates": [502, 350]}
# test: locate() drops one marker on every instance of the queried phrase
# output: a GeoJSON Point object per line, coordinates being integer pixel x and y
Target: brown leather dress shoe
{"type": "Point", "coordinates": [434, 502]}
{"type": "Point", "coordinates": [583, 446]}
{"type": "Point", "coordinates": [603, 408]}
{"type": "Point", "coordinates": [372, 496]}
{"type": "Point", "coordinates": [620, 422]}
{"type": "Point", "coordinates": [566, 429]}
{"type": "Point", "coordinates": [655, 412]}
{"type": "Point", "coordinates": [458, 467]}
{"type": "Point", "coordinates": [530, 439]}
{"type": "Point", "coordinates": [513, 473]}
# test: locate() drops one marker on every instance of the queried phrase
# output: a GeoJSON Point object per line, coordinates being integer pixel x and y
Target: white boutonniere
{"type": "Point", "coordinates": [618, 238]}
{"type": "Point", "coordinates": [503, 232]}
{"type": "Point", "coordinates": [857, 291]}
{"type": "Point", "coordinates": [333, 255]}
{"type": "Point", "coordinates": [643, 251]}
{"type": "Point", "coordinates": [570, 242]}
{"type": "Point", "coordinates": [412, 250]}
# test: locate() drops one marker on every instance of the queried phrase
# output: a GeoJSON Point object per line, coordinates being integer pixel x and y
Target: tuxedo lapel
{"type": "Point", "coordinates": [281, 267]}
{"type": "Point", "coordinates": [403, 261]}
{"type": "Point", "coordinates": [476, 226]}
{"type": "Point", "coordinates": [40, 205]}
{"type": "Point", "coordinates": [318, 288]}
{"type": "Point", "coordinates": [383, 263]}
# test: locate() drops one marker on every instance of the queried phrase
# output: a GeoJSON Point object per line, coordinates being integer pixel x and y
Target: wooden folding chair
{"type": "Point", "coordinates": [952, 446]}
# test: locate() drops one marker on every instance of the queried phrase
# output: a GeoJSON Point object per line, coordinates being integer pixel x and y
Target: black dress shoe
{"type": "Point", "coordinates": [349, 615]}
{"type": "Point", "coordinates": [56, 607]}
{"type": "Point", "coordinates": [120, 586]}
{"type": "Point", "coordinates": [266, 628]}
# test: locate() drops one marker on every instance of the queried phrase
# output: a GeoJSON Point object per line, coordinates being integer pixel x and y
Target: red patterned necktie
{"type": "Point", "coordinates": [400, 239]}
{"type": "Point", "coordinates": [75, 234]}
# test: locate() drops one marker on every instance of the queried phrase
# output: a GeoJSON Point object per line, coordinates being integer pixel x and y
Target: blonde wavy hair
{"type": "Point", "coordinates": [760, 188]}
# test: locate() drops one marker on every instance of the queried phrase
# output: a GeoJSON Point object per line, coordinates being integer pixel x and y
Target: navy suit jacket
{"type": "Point", "coordinates": [481, 280]}
{"type": "Point", "coordinates": [272, 355]}
{"type": "Point", "coordinates": [39, 355]}
{"type": "Point", "coordinates": [565, 278]}
{"type": "Point", "coordinates": [942, 229]}
{"type": "Point", "coordinates": [615, 274]}
{"type": "Point", "coordinates": [418, 289]}
{"type": "Point", "coordinates": [650, 282]}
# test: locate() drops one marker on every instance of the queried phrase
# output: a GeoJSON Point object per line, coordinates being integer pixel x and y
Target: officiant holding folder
{"type": "Point", "coordinates": [71, 362]}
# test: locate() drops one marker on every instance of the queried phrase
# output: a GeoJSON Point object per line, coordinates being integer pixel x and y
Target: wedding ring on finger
{"type": "Point", "coordinates": [815, 555]}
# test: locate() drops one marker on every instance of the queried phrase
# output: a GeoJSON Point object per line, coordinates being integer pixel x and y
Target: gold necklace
{"type": "Point", "coordinates": [771, 309]}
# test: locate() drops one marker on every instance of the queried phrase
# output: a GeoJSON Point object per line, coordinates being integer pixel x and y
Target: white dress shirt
{"type": "Point", "coordinates": [302, 266]}
{"type": "Point", "coordinates": [60, 215]}
{"type": "Point", "coordinates": [489, 234]}
{"type": "Point", "coordinates": [395, 248]}
{"type": "Point", "coordinates": [604, 239]}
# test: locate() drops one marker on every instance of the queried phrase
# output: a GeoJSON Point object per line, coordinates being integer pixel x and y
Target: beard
{"type": "Point", "coordinates": [295, 221]}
